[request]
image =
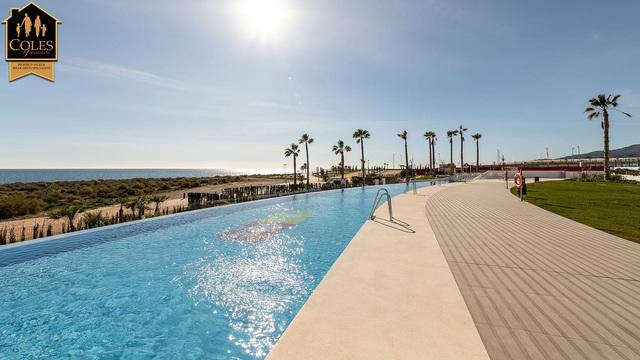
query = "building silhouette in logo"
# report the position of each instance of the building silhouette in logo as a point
(32, 34)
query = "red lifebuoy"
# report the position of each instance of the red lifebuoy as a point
(517, 179)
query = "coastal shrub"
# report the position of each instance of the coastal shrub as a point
(19, 205)
(86, 191)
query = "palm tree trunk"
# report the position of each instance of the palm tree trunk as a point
(607, 171)
(306, 146)
(433, 151)
(295, 180)
(477, 154)
(362, 148)
(451, 142)
(461, 153)
(430, 162)
(342, 165)
(406, 156)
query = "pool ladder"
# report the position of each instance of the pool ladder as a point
(377, 201)
(413, 180)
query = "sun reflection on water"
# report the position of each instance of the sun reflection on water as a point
(250, 287)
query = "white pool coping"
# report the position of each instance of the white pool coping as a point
(390, 295)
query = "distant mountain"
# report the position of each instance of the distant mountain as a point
(629, 151)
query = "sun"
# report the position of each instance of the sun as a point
(264, 19)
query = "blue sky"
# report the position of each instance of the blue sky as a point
(219, 84)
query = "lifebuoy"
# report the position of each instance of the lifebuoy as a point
(517, 179)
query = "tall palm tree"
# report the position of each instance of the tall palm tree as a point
(360, 135)
(293, 151)
(306, 139)
(461, 132)
(450, 135)
(69, 213)
(430, 136)
(598, 105)
(403, 136)
(433, 150)
(339, 149)
(477, 137)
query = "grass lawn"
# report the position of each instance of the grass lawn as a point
(610, 207)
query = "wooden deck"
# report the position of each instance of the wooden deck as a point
(537, 285)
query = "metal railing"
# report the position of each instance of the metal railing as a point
(413, 180)
(377, 201)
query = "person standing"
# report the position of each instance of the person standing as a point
(18, 29)
(37, 25)
(26, 22)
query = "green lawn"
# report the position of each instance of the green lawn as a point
(610, 207)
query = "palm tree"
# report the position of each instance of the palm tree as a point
(69, 213)
(403, 136)
(433, 150)
(477, 137)
(93, 220)
(122, 201)
(293, 151)
(430, 136)
(360, 135)
(339, 149)
(141, 205)
(450, 135)
(602, 104)
(461, 132)
(158, 199)
(133, 205)
(306, 139)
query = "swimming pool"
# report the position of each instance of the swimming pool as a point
(219, 283)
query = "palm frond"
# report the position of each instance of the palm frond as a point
(594, 115)
(588, 110)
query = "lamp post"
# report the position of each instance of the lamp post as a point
(393, 166)
(284, 170)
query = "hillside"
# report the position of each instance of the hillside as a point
(629, 151)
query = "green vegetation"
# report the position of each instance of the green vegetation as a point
(607, 206)
(19, 199)
(624, 171)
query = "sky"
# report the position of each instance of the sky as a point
(231, 84)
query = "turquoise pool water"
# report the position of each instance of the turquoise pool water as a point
(195, 285)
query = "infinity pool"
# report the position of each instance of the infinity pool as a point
(219, 283)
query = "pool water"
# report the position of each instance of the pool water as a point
(173, 287)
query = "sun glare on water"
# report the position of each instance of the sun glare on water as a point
(264, 19)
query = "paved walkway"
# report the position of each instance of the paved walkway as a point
(468, 271)
(538, 286)
(390, 295)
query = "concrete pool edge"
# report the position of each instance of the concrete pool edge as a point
(390, 295)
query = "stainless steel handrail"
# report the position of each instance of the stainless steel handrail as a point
(413, 180)
(377, 201)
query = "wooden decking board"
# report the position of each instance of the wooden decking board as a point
(559, 289)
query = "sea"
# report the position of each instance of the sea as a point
(8, 176)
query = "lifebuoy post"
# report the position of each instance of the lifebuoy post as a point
(518, 180)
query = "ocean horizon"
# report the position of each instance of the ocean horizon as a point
(8, 176)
